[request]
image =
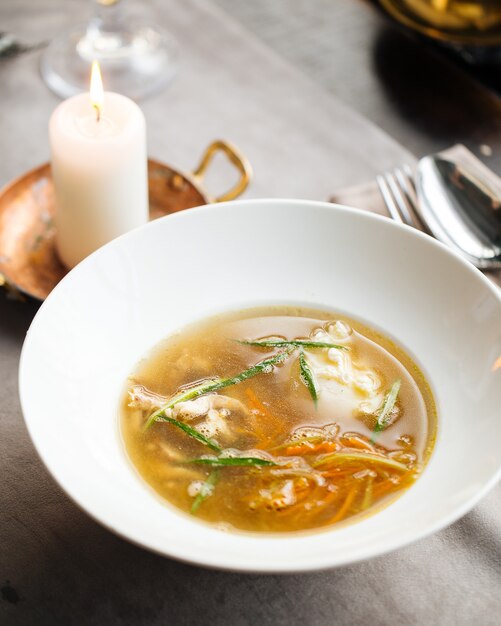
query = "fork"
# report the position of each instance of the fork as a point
(398, 189)
(399, 195)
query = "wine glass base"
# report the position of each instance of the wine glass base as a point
(136, 64)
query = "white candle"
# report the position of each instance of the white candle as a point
(99, 168)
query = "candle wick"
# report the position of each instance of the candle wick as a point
(98, 112)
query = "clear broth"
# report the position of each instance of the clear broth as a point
(330, 466)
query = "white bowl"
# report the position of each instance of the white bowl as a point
(117, 304)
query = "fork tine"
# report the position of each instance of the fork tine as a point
(405, 177)
(388, 199)
(407, 186)
(400, 195)
(409, 174)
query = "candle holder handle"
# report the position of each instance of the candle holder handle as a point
(236, 158)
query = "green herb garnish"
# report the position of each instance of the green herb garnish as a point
(388, 404)
(307, 377)
(293, 343)
(206, 490)
(192, 432)
(233, 461)
(216, 384)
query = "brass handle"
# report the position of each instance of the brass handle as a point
(236, 158)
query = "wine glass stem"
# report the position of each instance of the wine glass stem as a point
(108, 15)
(106, 34)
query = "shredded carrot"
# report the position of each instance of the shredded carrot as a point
(366, 502)
(384, 487)
(298, 450)
(301, 498)
(303, 493)
(256, 403)
(353, 442)
(345, 507)
(306, 448)
(330, 497)
(387, 486)
(335, 473)
(324, 446)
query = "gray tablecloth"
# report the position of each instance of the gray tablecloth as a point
(59, 567)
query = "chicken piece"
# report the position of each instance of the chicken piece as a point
(216, 410)
(277, 497)
(213, 408)
(142, 398)
(204, 404)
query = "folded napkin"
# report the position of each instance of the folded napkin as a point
(368, 197)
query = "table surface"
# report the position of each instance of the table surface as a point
(399, 81)
(59, 567)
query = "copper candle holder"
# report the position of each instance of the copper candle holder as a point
(28, 260)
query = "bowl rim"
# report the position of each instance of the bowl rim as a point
(263, 567)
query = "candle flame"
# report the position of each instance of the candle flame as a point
(497, 364)
(96, 89)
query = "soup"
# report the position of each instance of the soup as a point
(278, 419)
